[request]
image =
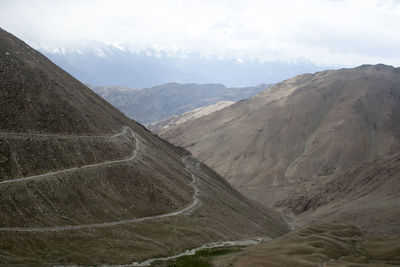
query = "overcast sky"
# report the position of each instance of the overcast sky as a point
(326, 32)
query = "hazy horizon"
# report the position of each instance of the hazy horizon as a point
(147, 43)
(324, 32)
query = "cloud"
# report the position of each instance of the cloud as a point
(346, 32)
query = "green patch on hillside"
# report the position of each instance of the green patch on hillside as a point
(202, 258)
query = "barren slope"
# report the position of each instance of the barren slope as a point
(310, 126)
(82, 183)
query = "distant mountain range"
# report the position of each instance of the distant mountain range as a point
(103, 64)
(153, 104)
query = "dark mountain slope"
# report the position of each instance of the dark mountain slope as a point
(82, 183)
(39, 96)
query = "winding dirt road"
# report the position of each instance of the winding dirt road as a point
(190, 206)
(24, 135)
(49, 174)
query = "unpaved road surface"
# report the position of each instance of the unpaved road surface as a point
(50, 174)
(190, 206)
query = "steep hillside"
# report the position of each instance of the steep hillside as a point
(160, 126)
(303, 129)
(156, 103)
(82, 183)
(37, 96)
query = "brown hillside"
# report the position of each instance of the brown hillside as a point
(311, 125)
(307, 136)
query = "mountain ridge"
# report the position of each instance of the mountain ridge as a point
(153, 104)
(101, 64)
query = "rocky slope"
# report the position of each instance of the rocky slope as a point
(82, 183)
(166, 124)
(304, 130)
(153, 104)
(367, 196)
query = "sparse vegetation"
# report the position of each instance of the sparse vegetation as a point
(202, 258)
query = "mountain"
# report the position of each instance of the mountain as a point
(83, 184)
(160, 126)
(150, 105)
(106, 64)
(306, 130)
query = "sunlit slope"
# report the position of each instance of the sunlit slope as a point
(306, 127)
